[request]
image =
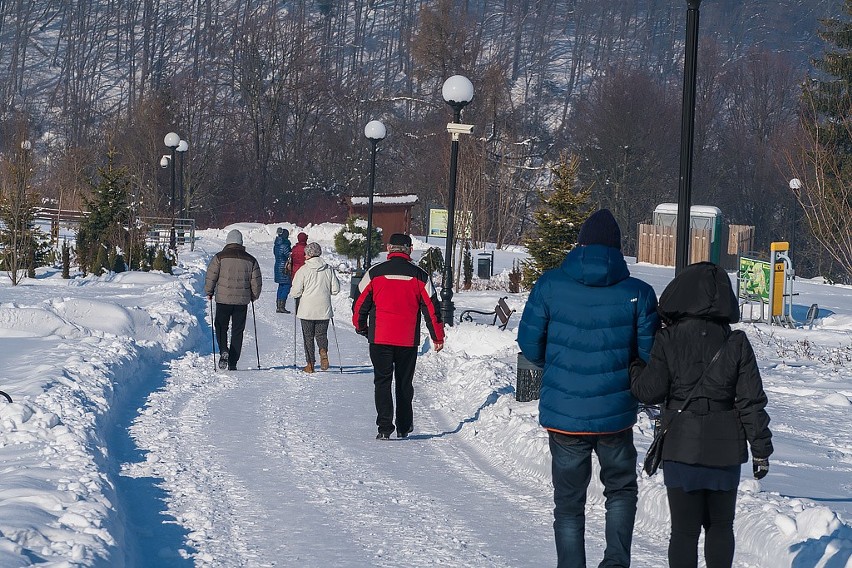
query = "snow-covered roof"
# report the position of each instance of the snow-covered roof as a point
(385, 199)
(694, 211)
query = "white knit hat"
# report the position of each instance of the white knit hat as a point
(234, 238)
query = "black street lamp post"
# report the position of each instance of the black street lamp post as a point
(375, 132)
(457, 92)
(172, 140)
(182, 147)
(687, 135)
(795, 187)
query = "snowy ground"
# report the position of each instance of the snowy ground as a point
(125, 447)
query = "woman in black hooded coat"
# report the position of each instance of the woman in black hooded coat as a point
(706, 442)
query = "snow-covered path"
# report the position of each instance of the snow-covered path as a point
(297, 478)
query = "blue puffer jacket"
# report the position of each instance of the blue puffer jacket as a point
(584, 322)
(281, 248)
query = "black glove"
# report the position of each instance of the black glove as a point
(760, 467)
(636, 367)
(362, 332)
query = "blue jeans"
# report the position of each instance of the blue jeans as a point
(572, 472)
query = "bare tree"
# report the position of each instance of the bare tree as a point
(17, 206)
(826, 192)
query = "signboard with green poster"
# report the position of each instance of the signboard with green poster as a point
(755, 277)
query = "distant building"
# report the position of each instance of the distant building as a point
(391, 213)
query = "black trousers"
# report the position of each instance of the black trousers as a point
(713, 510)
(235, 316)
(390, 360)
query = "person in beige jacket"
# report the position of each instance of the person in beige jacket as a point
(313, 286)
(233, 276)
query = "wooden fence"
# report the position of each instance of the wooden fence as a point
(740, 240)
(657, 245)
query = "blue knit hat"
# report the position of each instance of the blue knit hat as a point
(600, 228)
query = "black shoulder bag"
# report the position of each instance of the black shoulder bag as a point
(654, 457)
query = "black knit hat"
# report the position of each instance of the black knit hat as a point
(600, 228)
(400, 240)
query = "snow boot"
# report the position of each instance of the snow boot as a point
(382, 436)
(223, 359)
(309, 368)
(279, 307)
(324, 359)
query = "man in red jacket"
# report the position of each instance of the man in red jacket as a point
(394, 296)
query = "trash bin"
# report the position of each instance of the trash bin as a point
(483, 267)
(528, 384)
(354, 292)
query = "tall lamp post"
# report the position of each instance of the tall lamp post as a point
(457, 92)
(687, 135)
(172, 141)
(795, 187)
(375, 132)
(23, 247)
(181, 149)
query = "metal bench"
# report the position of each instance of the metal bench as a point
(501, 311)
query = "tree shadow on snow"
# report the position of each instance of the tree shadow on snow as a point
(812, 551)
(492, 398)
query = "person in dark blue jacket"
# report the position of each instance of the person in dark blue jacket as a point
(584, 323)
(282, 249)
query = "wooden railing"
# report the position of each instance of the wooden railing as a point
(157, 229)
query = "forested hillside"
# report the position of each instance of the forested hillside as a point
(273, 98)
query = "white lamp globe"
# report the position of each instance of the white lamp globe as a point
(171, 140)
(375, 130)
(164, 162)
(457, 90)
(795, 184)
(26, 145)
(183, 146)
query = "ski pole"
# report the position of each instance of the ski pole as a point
(254, 321)
(212, 333)
(295, 322)
(339, 358)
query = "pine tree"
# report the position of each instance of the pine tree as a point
(829, 95)
(351, 241)
(557, 220)
(104, 227)
(66, 260)
(825, 165)
(432, 261)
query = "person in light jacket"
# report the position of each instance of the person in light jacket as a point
(708, 440)
(233, 276)
(314, 285)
